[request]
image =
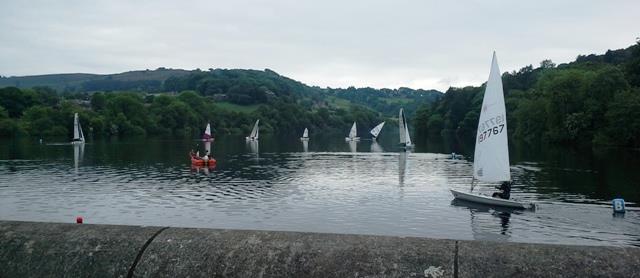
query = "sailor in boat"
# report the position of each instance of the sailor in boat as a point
(505, 190)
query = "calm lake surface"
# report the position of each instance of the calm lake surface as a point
(327, 186)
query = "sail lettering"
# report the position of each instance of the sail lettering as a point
(492, 126)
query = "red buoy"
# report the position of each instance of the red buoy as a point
(79, 219)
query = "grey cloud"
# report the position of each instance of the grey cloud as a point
(428, 44)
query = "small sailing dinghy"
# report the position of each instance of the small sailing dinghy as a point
(353, 134)
(491, 158)
(305, 135)
(376, 130)
(254, 132)
(78, 136)
(207, 134)
(405, 139)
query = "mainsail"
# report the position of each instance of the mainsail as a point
(376, 130)
(207, 132)
(491, 158)
(405, 139)
(255, 132)
(305, 134)
(78, 136)
(354, 131)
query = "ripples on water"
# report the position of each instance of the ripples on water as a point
(336, 192)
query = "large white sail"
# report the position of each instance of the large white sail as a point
(354, 131)
(376, 130)
(255, 132)
(77, 129)
(405, 139)
(491, 158)
(305, 134)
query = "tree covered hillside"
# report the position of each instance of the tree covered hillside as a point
(595, 99)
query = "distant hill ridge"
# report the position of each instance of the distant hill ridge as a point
(76, 82)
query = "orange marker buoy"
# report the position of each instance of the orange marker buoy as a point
(79, 219)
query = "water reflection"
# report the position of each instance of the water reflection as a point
(402, 166)
(305, 145)
(375, 147)
(254, 148)
(78, 155)
(478, 213)
(353, 145)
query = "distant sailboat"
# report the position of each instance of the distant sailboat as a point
(405, 139)
(305, 135)
(78, 136)
(376, 130)
(207, 133)
(491, 158)
(254, 132)
(353, 134)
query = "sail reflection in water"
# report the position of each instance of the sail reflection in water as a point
(402, 166)
(375, 147)
(78, 154)
(353, 146)
(305, 145)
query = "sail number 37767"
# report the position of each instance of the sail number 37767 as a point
(492, 126)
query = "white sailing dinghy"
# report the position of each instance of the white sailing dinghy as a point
(491, 158)
(78, 136)
(376, 130)
(254, 132)
(353, 134)
(207, 134)
(405, 139)
(305, 135)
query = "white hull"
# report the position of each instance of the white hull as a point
(251, 139)
(77, 142)
(352, 139)
(304, 139)
(487, 200)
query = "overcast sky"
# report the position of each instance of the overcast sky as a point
(418, 44)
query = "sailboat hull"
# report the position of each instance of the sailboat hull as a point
(304, 138)
(352, 139)
(487, 200)
(77, 142)
(251, 139)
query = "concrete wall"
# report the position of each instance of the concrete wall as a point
(29, 249)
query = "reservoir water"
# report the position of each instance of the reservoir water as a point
(327, 186)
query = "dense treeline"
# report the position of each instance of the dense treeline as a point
(595, 99)
(246, 87)
(42, 112)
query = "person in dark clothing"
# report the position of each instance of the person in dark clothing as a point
(505, 189)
